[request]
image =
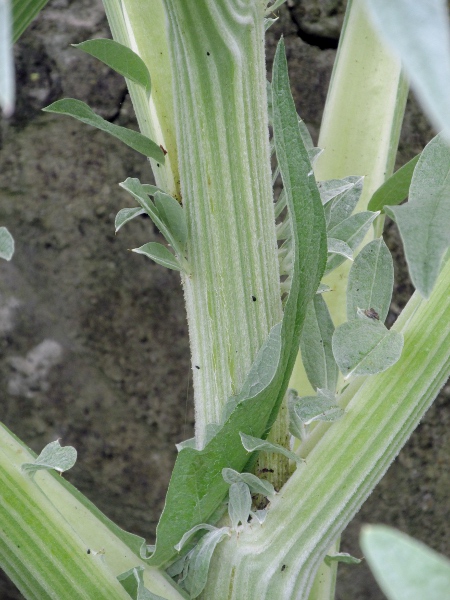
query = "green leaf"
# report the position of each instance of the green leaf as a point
(6, 244)
(82, 112)
(133, 582)
(395, 189)
(23, 12)
(173, 215)
(256, 485)
(252, 444)
(364, 346)
(315, 345)
(419, 32)
(404, 568)
(371, 280)
(424, 221)
(197, 488)
(342, 557)
(339, 247)
(53, 456)
(126, 214)
(159, 254)
(120, 58)
(308, 409)
(239, 504)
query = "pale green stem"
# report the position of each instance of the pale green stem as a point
(341, 470)
(233, 293)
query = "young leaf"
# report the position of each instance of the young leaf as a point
(405, 568)
(395, 189)
(53, 456)
(252, 444)
(344, 204)
(6, 244)
(331, 188)
(315, 345)
(239, 504)
(424, 221)
(191, 532)
(364, 347)
(82, 112)
(173, 215)
(133, 582)
(126, 214)
(342, 557)
(159, 254)
(256, 485)
(308, 409)
(371, 280)
(120, 58)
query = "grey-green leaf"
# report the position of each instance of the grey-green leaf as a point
(126, 214)
(252, 444)
(332, 188)
(133, 582)
(160, 254)
(308, 409)
(342, 557)
(239, 503)
(404, 568)
(191, 532)
(82, 112)
(6, 244)
(120, 58)
(339, 247)
(344, 204)
(395, 189)
(315, 345)
(419, 32)
(53, 456)
(424, 221)
(173, 215)
(256, 485)
(364, 346)
(200, 559)
(371, 280)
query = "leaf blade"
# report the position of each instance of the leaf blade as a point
(395, 189)
(160, 254)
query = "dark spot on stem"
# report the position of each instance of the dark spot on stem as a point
(254, 298)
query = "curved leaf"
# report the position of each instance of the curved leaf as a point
(6, 244)
(160, 254)
(395, 189)
(126, 214)
(53, 456)
(23, 13)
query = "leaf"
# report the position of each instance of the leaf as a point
(252, 444)
(133, 582)
(23, 13)
(173, 215)
(371, 280)
(404, 568)
(363, 346)
(344, 204)
(342, 557)
(352, 231)
(315, 346)
(308, 409)
(6, 244)
(331, 188)
(239, 504)
(196, 487)
(313, 152)
(120, 58)
(276, 4)
(256, 485)
(159, 254)
(53, 456)
(126, 214)
(395, 189)
(419, 33)
(191, 532)
(424, 221)
(82, 112)
(339, 247)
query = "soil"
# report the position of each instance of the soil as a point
(93, 339)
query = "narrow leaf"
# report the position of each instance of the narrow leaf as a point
(395, 189)
(159, 254)
(173, 215)
(191, 532)
(23, 13)
(120, 58)
(252, 444)
(371, 280)
(315, 345)
(256, 485)
(424, 221)
(82, 112)
(405, 568)
(7, 81)
(6, 244)
(419, 32)
(126, 214)
(342, 557)
(239, 504)
(364, 347)
(53, 456)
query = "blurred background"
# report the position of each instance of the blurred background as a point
(93, 338)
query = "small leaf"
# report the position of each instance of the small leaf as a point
(120, 58)
(424, 221)
(159, 254)
(6, 244)
(191, 532)
(315, 345)
(252, 444)
(256, 485)
(395, 189)
(364, 346)
(53, 456)
(126, 214)
(81, 111)
(331, 188)
(200, 559)
(342, 557)
(239, 504)
(173, 215)
(133, 582)
(405, 568)
(339, 247)
(308, 409)
(274, 6)
(371, 280)
(344, 204)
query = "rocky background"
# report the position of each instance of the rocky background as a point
(93, 339)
